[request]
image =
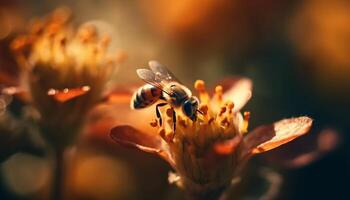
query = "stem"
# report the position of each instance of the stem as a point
(58, 175)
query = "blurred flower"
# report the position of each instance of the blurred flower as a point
(206, 25)
(66, 71)
(209, 153)
(320, 31)
(115, 179)
(25, 174)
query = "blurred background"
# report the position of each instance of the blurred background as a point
(296, 52)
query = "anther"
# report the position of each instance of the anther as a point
(218, 93)
(225, 122)
(170, 112)
(204, 109)
(199, 85)
(222, 110)
(246, 116)
(210, 120)
(87, 33)
(230, 106)
(218, 90)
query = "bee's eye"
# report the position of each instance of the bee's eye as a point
(188, 108)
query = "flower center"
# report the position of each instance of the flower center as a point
(216, 120)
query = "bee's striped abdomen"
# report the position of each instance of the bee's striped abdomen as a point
(145, 96)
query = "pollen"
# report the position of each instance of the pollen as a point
(225, 122)
(54, 42)
(216, 119)
(204, 109)
(154, 123)
(222, 111)
(170, 112)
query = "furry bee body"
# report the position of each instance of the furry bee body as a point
(145, 96)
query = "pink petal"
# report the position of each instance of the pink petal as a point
(130, 137)
(238, 90)
(285, 131)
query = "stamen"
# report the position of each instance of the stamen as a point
(204, 108)
(199, 85)
(87, 33)
(105, 41)
(246, 116)
(225, 122)
(218, 93)
(222, 110)
(211, 120)
(230, 106)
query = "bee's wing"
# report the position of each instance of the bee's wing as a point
(161, 72)
(150, 77)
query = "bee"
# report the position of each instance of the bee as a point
(163, 86)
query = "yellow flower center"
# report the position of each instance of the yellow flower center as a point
(216, 120)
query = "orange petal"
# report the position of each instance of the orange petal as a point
(130, 137)
(238, 90)
(17, 92)
(255, 138)
(285, 130)
(227, 147)
(68, 93)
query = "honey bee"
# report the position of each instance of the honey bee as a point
(163, 86)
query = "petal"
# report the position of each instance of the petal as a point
(130, 137)
(227, 147)
(68, 93)
(285, 131)
(115, 110)
(238, 90)
(255, 138)
(16, 92)
(306, 151)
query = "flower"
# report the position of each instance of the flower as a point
(66, 71)
(209, 153)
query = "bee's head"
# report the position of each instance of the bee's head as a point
(190, 107)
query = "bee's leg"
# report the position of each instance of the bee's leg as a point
(174, 120)
(158, 112)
